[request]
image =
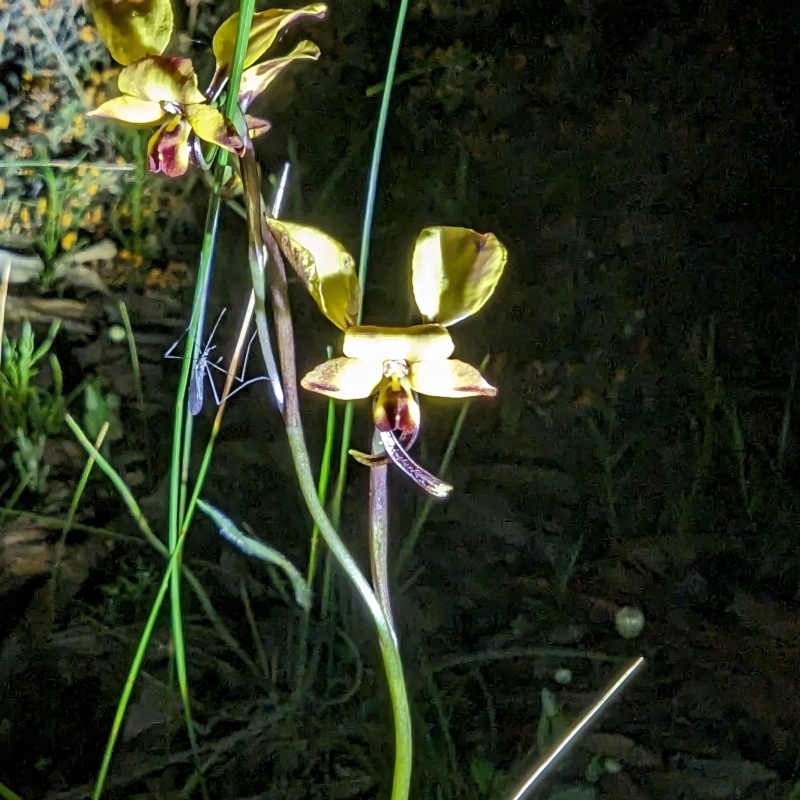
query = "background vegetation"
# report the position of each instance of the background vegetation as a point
(640, 162)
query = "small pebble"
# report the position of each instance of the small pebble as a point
(117, 334)
(629, 622)
(562, 676)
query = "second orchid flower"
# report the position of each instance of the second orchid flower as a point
(158, 90)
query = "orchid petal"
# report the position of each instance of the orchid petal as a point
(133, 30)
(448, 378)
(369, 460)
(162, 80)
(397, 410)
(264, 30)
(256, 79)
(414, 343)
(209, 124)
(344, 378)
(131, 110)
(256, 126)
(454, 272)
(168, 150)
(326, 269)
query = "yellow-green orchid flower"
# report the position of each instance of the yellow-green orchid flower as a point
(163, 91)
(454, 272)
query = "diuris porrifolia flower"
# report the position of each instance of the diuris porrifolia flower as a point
(454, 272)
(164, 91)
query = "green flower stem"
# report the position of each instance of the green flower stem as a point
(134, 354)
(232, 369)
(323, 482)
(344, 458)
(137, 192)
(73, 505)
(246, 10)
(65, 164)
(294, 431)
(313, 556)
(379, 536)
(54, 201)
(180, 465)
(153, 540)
(257, 257)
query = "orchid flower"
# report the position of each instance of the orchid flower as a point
(454, 272)
(163, 91)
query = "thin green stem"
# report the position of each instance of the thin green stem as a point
(380, 133)
(323, 482)
(234, 365)
(181, 454)
(256, 226)
(53, 213)
(313, 556)
(136, 664)
(181, 451)
(65, 164)
(174, 564)
(246, 10)
(73, 506)
(7, 794)
(344, 457)
(134, 354)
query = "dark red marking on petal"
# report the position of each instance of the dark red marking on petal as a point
(316, 386)
(395, 411)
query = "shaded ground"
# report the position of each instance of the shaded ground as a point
(641, 168)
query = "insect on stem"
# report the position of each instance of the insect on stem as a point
(202, 371)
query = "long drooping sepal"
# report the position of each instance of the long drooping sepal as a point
(424, 479)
